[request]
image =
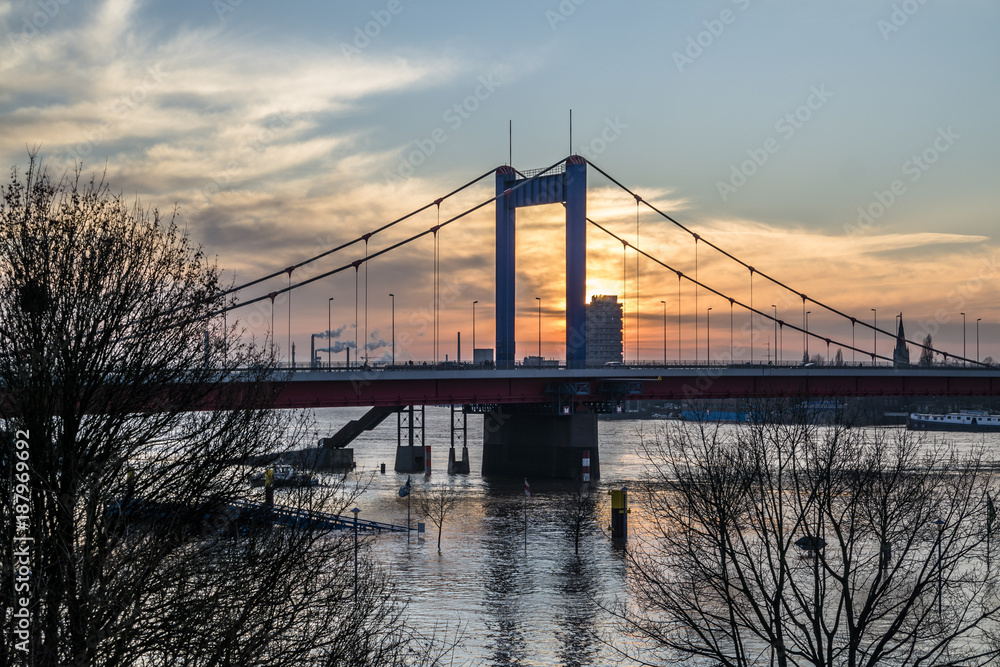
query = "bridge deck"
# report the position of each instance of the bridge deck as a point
(423, 386)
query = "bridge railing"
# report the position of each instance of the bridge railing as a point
(555, 364)
(296, 517)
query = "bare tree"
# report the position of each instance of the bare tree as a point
(436, 504)
(792, 544)
(121, 484)
(926, 352)
(576, 511)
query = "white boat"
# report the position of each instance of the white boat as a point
(967, 420)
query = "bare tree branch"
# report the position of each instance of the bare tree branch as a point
(790, 544)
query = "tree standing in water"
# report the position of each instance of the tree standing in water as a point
(787, 543)
(436, 504)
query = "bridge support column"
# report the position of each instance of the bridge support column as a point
(576, 262)
(569, 187)
(410, 452)
(540, 446)
(459, 425)
(506, 178)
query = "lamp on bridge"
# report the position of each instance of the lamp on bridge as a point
(977, 338)
(964, 355)
(874, 336)
(539, 300)
(329, 334)
(777, 359)
(664, 332)
(474, 330)
(806, 353)
(708, 336)
(732, 354)
(393, 298)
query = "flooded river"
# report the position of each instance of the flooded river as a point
(516, 596)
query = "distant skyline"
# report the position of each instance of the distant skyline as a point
(848, 149)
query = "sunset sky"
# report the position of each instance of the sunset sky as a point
(848, 149)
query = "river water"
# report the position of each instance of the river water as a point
(507, 579)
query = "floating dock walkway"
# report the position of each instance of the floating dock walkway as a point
(303, 518)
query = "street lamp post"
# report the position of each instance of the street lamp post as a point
(732, 356)
(393, 298)
(964, 356)
(474, 331)
(329, 334)
(664, 332)
(355, 511)
(940, 528)
(777, 360)
(708, 336)
(874, 336)
(978, 319)
(806, 360)
(539, 300)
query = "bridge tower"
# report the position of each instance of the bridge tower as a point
(543, 440)
(567, 186)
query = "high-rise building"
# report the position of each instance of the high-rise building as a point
(604, 330)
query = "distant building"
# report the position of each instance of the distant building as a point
(901, 355)
(539, 362)
(604, 330)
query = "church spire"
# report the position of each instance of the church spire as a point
(900, 355)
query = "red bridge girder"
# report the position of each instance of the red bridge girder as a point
(391, 388)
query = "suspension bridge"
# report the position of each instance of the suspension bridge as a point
(540, 417)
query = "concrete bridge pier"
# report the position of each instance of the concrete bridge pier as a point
(459, 428)
(410, 452)
(458, 466)
(540, 445)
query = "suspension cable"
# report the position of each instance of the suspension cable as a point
(741, 304)
(363, 237)
(637, 280)
(777, 282)
(358, 262)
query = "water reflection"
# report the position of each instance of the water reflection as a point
(540, 609)
(576, 628)
(507, 579)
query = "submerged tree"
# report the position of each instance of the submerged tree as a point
(576, 511)
(782, 544)
(436, 504)
(119, 480)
